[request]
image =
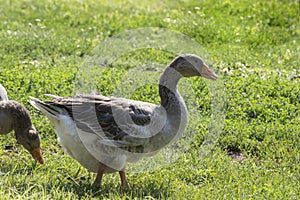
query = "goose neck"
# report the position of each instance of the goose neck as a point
(170, 78)
(21, 117)
(168, 87)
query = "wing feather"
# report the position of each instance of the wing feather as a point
(118, 122)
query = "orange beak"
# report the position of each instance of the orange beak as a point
(37, 155)
(208, 73)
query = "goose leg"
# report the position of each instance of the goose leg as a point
(123, 177)
(99, 176)
(124, 182)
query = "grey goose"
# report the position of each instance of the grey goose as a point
(15, 117)
(105, 133)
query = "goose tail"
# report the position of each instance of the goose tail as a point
(46, 108)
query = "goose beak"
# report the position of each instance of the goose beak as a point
(37, 155)
(208, 73)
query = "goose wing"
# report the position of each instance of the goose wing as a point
(116, 122)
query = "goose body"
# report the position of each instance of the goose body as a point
(105, 133)
(15, 117)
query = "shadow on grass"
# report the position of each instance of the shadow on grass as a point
(109, 190)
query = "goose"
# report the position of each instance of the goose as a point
(105, 133)
(14, 116)
(3, 94)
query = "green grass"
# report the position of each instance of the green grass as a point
(255, 46)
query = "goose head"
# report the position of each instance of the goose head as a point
(30, 140)
(189, 65)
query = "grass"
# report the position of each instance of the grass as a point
(255, 46)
